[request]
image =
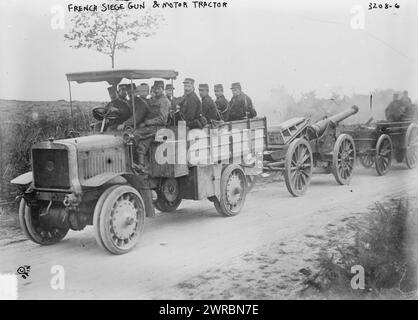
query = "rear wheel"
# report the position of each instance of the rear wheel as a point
(411, 139)
(343, 159)
(298, 167)
(168, 195)
(384, 152)
(121, 220)
(30, 218)
(366, 160)
(233, 191)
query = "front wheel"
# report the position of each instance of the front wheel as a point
(343, 159)
(233, 191)
(298, 167)
(119, 219)
(30, 219)
(384, 152)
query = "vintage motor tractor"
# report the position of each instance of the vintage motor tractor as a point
(298, 149)
(90, 180)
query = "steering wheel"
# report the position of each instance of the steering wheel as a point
(108, 112)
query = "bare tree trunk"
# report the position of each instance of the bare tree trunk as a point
(112, 57)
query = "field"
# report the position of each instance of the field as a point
(22, 123)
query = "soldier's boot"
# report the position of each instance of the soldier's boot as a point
(140, 166)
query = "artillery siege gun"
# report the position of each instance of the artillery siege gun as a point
(298, 149)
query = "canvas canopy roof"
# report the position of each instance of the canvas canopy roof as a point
(115, 76)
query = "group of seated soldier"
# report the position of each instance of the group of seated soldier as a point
(400, 108)
(149, 110)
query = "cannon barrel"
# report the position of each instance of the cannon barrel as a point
(321, 125)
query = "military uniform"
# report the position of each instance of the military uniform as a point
(221, 103)
(223, 107)
(209, 110)
(190, 109)
(395, 111)
(141, 109)
(241, 106)
(155, 119)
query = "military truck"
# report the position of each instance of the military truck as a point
(91, 180)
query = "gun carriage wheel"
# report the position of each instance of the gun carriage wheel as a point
(119, 219)
(367, 160)
(233, 191)
(168, 195)
(343, 159)
(384, 152)
(411, 152)
(298, 167)
(34, 222)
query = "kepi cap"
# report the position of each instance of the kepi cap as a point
(189, 80)
(236, 85)
(204, 86)
(218, 87)
(159, 83)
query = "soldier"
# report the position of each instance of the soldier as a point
(120, 103)
(190, 106)
(169, 93)
(143, 91)
(405, 99)
(123, 91)
(155, 118)
(396, 109)
(221, 103)
(241, 106)
(209, 110)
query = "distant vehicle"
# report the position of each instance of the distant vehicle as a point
(379, 142)
(91, 180)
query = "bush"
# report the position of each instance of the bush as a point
(29, 125)
(382, 247)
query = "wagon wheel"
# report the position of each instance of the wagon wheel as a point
(233, 191)
(120, 220)
(411, 153)
(367, 160)
(384, 151)
(35, 229)
(168, 194)
(343, 159)
(298, 167)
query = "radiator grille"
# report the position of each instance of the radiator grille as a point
(101, 161)
(50, 168)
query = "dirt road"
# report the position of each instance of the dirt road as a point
(178, 246)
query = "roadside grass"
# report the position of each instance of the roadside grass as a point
(385, 245)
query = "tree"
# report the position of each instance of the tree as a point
(107, 32)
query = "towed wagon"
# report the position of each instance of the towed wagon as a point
(91, 180)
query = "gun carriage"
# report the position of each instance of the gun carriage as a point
(298, 149)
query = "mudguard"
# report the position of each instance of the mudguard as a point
(101, 179)
(23, 179)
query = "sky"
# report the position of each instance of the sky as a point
(303, 45)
